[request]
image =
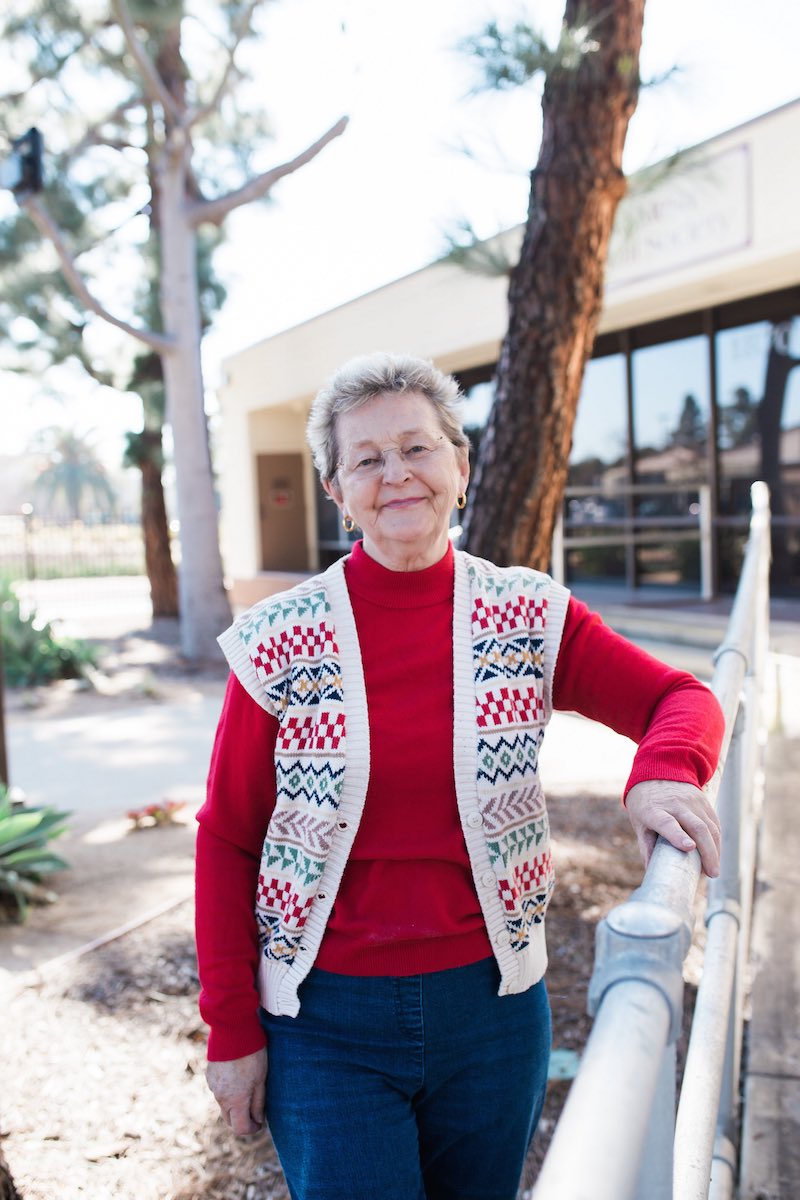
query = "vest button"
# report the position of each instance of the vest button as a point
(488, 879)
(503, 938)
(475, 819)
(322, 896)
(341, 824)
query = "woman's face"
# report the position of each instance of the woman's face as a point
(398, 479)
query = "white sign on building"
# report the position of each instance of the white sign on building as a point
(699, 209)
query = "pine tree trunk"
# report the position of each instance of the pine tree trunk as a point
(203, 602)
(155, 529)
(555, 295)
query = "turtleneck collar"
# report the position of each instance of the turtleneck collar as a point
(399, 589)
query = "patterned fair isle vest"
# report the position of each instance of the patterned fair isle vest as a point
(297, 654)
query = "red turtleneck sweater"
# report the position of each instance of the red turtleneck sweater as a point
(407, 903)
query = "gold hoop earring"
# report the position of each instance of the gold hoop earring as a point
(461, 500)
(348, 524)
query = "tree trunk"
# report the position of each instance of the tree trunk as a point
(555, 295)
(203, 602)
(155, 529)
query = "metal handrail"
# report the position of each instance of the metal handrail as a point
(617, 1138)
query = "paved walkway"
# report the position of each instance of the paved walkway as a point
(100, 757)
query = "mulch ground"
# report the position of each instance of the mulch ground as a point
(103, 1091)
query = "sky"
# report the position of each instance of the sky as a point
(378, 201)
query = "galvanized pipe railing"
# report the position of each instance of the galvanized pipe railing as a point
(617, 1134)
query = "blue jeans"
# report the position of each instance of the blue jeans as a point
(424, 1087)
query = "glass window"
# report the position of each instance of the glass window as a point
(600, 434)
(598, 460)
(671, 404)
(758, 390)
(670, 412)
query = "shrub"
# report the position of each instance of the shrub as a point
(32, 652)
(24, 857)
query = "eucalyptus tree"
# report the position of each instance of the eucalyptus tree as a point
(591, 85)
(167, 152)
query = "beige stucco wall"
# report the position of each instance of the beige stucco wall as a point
(720, 225)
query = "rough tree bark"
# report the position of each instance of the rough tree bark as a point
(555, 294)
(160, 568)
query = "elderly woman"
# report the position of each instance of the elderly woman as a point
(373, 858)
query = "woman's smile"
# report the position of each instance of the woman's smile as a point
(404, 502)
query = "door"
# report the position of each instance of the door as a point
(283, 512)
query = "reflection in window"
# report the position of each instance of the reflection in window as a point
(598, 460)
(670, 412)
(759, 438)
(600, 438)
(671, 404)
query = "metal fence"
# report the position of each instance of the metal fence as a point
(621, 1135)
(33, 547)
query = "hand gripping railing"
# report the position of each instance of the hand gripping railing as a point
(618, 1137)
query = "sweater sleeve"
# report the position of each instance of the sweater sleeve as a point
(674, 718)
(232, 823)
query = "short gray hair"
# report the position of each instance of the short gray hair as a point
(362, 379)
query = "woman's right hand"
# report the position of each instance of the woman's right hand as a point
(238, 1087)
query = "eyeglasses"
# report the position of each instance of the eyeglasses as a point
(369, 464)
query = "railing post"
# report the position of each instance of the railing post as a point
(725, 891)
(645, 941)
(706, 542)
(655, 1172)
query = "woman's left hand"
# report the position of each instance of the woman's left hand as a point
(678, 812)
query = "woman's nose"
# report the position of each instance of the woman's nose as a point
(395, 467)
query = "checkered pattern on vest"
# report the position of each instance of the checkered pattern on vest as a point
(297, 654)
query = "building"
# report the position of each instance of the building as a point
(691, 393)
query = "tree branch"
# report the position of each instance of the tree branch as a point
(195, 115)
(48, 229)
(93, 135)
(214, 211)
(154, 84)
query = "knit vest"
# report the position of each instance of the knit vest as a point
(297, 654)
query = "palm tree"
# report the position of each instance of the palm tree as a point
(73, 473)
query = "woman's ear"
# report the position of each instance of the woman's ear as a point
(330, 488)
(463, 467)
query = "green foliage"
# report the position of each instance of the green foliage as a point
(32, 652)
(24, 857)
(490, 257)
(509, 58)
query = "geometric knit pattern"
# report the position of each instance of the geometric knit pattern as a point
(508, 623)
(291, 645)
(294, 653)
